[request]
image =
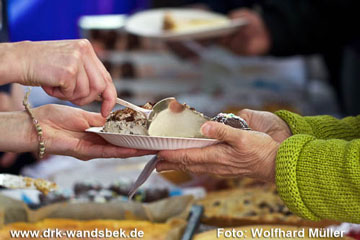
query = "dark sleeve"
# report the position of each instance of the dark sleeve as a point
(310, 26)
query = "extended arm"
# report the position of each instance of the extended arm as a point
(10, 67)
(63, 131)
(17, 133)
(68, 70)
(320, 179)
(322, 127)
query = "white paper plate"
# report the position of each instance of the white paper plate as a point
(150, 24)
(151, 143)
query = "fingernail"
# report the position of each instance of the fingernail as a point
(176, 107)
(205, 129)
(159, 168)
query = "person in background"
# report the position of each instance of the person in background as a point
(300, 27)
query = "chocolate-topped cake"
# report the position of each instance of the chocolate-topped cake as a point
(127, 121)
(232, 120)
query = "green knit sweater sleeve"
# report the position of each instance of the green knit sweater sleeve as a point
(320, 179)
(322, 127)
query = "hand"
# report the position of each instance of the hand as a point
(268, 123)
(251, 39)
(240, 153)
(63, 132)
(68, 70)
(6, 104)
(12, 101)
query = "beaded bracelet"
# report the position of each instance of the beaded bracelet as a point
(36, 124)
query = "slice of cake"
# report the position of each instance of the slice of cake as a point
(127, 121)
(171, 23)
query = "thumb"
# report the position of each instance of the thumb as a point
(221, 132)
(246, 115)
(176, 107)
(94, 119)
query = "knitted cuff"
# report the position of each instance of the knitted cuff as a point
(286, 182)
(297, 123)
(328, 127)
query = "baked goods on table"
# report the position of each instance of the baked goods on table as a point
(271, 232)
(167, 217)
(11, 181)
(152, 231)
(91, 192)
(257, 205)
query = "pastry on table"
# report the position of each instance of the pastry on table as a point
(152, 231)
(92, 192)
(258, 205)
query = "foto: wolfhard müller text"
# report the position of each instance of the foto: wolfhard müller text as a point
(300, 233)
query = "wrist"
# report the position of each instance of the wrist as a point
(271, 163)
(18, 133)
(13, 64)
(286, 132)
(29, 135)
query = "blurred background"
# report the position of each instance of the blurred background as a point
(310, 69)
(146, 70)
